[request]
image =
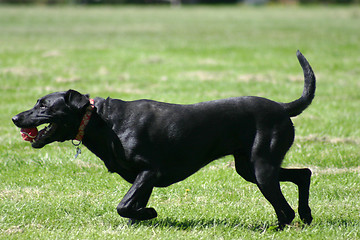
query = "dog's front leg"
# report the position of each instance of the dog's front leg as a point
(133, 205)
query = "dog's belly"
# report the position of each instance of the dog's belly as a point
(176, 169)
(174, 175)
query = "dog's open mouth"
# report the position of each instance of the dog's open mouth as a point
(41, 138)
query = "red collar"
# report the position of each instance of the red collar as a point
(85, 120)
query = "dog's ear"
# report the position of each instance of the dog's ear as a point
(76, 100)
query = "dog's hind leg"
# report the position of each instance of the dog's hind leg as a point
(301, 177)
(133, 205)
(266, 157)
(267, 179)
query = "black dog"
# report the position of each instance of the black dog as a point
(155, 144)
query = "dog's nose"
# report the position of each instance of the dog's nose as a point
(15, 119)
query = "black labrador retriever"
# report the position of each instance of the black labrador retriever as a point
(155, 144)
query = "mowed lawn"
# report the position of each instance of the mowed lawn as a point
(179, 55)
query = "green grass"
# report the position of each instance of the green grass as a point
(181, 55)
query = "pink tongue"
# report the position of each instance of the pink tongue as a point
(28, 134)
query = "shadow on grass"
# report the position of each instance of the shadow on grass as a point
(190, 224)
(258, 226)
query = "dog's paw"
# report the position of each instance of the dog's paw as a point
(137, 214)
(132, 222)
(146, 213)
(285, 218)
(305, 215)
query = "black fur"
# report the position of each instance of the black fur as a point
(155, 144)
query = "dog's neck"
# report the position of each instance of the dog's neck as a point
(99, 136)
(85, 120)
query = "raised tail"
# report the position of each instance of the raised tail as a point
(296, 107)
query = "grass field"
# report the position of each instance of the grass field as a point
(181, 55)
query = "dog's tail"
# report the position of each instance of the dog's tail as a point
(296, 107)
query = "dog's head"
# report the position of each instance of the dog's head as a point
(63, 112)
